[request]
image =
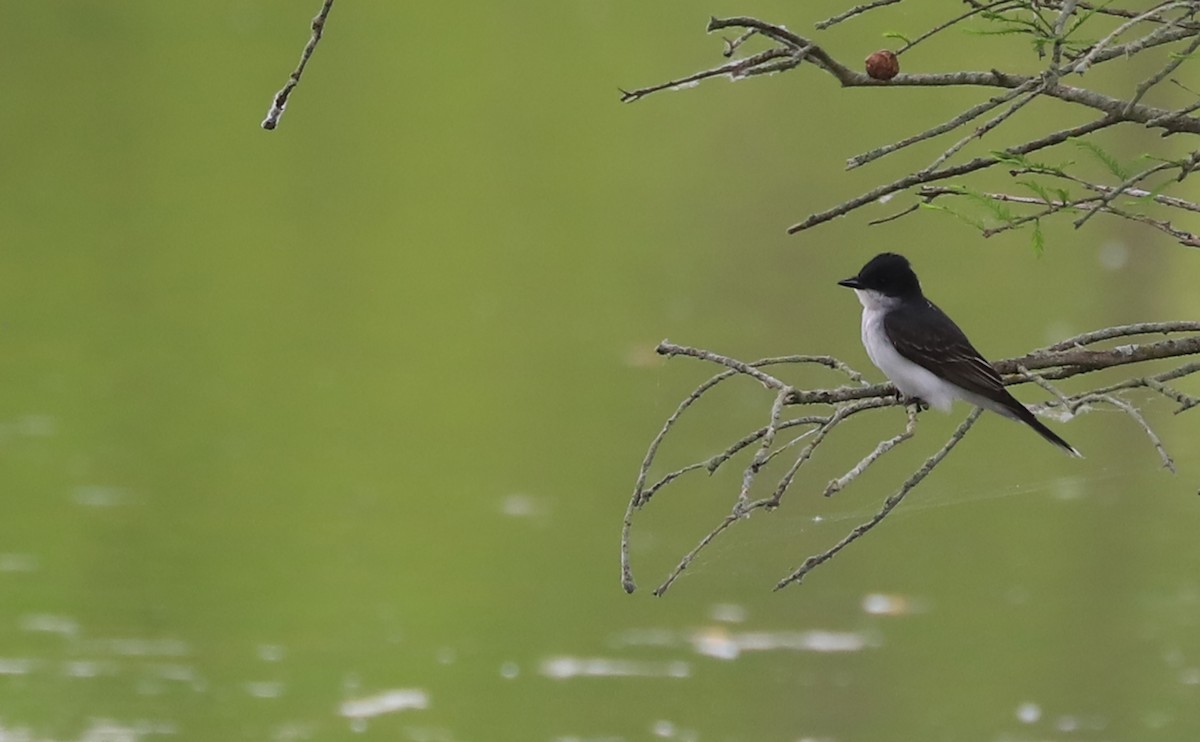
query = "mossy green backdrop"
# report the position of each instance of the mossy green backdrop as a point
(299, 418)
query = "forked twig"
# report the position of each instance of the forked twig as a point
(838, 484)
(889, 504)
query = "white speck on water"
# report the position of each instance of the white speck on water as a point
(107, 730)
(723, 645)
(265, 688)
(50, 624)
(399, 699)
(519, 506)
(1113, 255)
(88, 669)
(1018, 595)
(510, 670)
(1029, 712)
(1157, 719)
(1190, 676)
(271, 652)
(96, 496)
(1067, 724)
(18, 563)
(1068, 488)
(716, 643)
(728, 613)
(563, 668)
(663, 728)
(141, 647)
(645, 638)
(16, 666)
(885, 604)
(177, 673)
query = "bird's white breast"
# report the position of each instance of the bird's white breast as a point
(910, 378)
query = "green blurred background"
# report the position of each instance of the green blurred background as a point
(326, 433)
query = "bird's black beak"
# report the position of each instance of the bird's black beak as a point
(850, 283)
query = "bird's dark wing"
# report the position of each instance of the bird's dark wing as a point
(923, 334)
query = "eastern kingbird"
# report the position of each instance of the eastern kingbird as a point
(924, 354)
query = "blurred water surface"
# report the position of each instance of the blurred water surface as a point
(326, 433)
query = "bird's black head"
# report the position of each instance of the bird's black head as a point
(889, 274)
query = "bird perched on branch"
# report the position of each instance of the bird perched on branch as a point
(922, 352)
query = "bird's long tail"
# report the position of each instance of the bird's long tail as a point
(1018, 411)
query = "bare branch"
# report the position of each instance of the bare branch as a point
(764, 449)
(962, 118)
(856, 10)
(1068, 358)
(1153, 14)
(979, 163)
(1161, 75)
(1121, 331)
(279, 102)
(1168, 22)
(1128, 409)
(839, 484)
(888, 505)
(994, 6)
(1181, 236)
(737, 68)
(688, 557)
(1171, 201)
(1128, 183)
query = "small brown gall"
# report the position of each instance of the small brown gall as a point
(883, 65)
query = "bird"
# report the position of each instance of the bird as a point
(922, 352)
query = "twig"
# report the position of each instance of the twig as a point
(1120, 331)
(994, 6)
(856, 10)
(1186, 401)
(806, 453)
(962, 118)
(1171, 201)
(1129, 182)
(1088, 59)
(279, 102)
(1037, 379)
(1161, 75)
(978, 163)
(1068, 8)
(731, 46)
(1097, 204)
(1128, 409)
(688, 557)
(738, 67)
(1037, 85)
(1181, 236)
(888, 505)
(764, 448)
(837, 485)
